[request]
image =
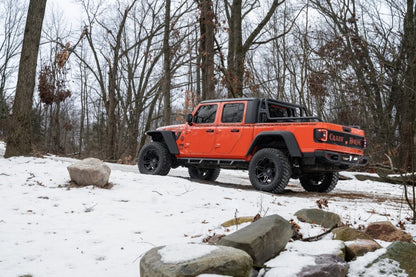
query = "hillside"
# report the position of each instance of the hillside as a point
(48, 228)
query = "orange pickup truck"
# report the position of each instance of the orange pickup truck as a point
(273, 140)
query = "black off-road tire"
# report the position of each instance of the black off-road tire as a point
(269, 170)
(319, 182)
(154, 159)
(207, 174)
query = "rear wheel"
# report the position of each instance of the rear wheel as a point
(154, 159)
(319, 182)
(269, 170)
(208, 174)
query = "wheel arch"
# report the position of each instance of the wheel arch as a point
(167, 137)
(285, 138)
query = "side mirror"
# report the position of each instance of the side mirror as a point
(188, 119)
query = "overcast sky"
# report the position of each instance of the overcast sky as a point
(71, 9)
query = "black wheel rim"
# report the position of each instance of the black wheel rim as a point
(151, 160)
(317, 180)
(265, 171)
(202, 172)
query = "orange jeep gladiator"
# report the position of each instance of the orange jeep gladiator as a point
(273, 140)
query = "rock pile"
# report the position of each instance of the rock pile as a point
(257, 250)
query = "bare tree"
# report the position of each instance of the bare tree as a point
(237, 48)
(53, 90)
(12, 17)
(19, 139)
(112, 62)
(357, 75)
(146, 53)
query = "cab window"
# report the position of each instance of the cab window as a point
(232, 113)
(205, 114)
(278, 111)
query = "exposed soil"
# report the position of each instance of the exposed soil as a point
(293, 190)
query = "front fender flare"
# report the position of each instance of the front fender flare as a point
(168, 137)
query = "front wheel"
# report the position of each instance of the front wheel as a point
(319, 182)
(269, 170)
(207, 174)
(154, 159)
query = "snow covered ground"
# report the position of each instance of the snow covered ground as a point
(50, 229)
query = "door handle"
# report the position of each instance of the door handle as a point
(235, 130)
(210, 131)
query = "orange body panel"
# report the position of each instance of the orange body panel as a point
(219, 140)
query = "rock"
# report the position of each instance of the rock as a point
(403, 253)
(318, 258)
(349, 234)
(385, 230)
(360, 247)
(89, 171)
(262, 239)
(195, 259)
(320, 217)
(326, 265)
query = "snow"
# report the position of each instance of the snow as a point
(321, 247)
(302, 253)
(178, 253)
(50, 229)
(384, 267)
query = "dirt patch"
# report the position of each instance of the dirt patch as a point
(293, 190)
(72, 184)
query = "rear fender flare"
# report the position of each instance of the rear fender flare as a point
(288, 138)
(167, 137)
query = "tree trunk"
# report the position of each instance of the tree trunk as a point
(57, 133)
(407, 99)
(19, 140)
(148, 121)
(235, 66)
(166, 83)
(206, 50)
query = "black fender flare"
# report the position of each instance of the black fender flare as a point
(288, 138)
(168, 137)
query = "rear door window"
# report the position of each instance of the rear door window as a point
(232, 113)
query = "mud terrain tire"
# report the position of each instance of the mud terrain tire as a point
(154, 159)
(269, 170)
(207, 174)
(319, 183)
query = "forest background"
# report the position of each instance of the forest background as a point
(122, 67)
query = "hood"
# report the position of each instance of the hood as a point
(177, 127)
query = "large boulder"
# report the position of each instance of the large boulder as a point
(320, 217)
(262, 239)
(400, 254)
(193, 260)
(385, 230)
(89, 171)
(349, 234)
(360, 247)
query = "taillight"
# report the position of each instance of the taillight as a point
(321, 135)
(364, 143)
